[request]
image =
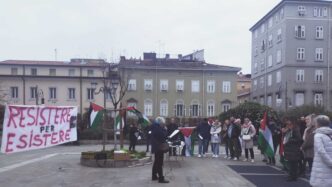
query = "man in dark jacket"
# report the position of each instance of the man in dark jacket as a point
(233, 134)
(158, 136)
(172, 126)
(203, 133)
(292, 143)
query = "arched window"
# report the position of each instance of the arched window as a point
(164, 107)
(195, 108)
(179, 108)
(148, 107)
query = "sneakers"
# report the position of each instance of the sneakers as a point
(235, 159)
(245, 160)
(252, 160)
(226, 156)
(199, 156)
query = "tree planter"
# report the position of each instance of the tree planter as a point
(109, 159)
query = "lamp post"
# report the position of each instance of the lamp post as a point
(108, 88)
(39, 93)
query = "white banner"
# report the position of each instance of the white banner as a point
(27, 127)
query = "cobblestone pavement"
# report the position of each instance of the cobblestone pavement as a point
(59, 166)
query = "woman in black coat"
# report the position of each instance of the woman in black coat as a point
(158, 136)
(133, 135)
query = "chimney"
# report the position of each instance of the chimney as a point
(167, 56)
(179, 56)
(122, 58)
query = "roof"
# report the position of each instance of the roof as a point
(278, 6)
(173, 64)
(73, 62)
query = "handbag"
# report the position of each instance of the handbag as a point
(164, 147)
(246, 137)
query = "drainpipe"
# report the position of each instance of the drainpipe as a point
(328, 61)
(81, 94)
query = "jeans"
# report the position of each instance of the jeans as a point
(215, 148)
(157, 168)
(251, 150)
(202, 146)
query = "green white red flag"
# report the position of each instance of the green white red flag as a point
(265, 137)
(96, 115)
(142, 119)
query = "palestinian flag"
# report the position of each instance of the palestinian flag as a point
(96, 115)
(120, 121)
(265, 137)
(142, 119)
(281, 153)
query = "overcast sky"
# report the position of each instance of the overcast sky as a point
(33, 29)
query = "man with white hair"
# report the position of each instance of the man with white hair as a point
(158, 136)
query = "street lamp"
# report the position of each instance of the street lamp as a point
(39, 94)
(111, 90)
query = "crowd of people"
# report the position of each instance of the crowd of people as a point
(305, 145)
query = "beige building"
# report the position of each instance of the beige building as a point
(243, 87)
(53, 82)
(178, 87)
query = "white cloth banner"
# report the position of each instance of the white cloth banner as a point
(27, 127)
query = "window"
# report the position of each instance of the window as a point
(256, 67)
(278, 77)
(71, 72)
(255, 85)
(226, 86)
(269, 80)
(263, 46)
(179, 85)
(270, 22)
(262, 82)
(210, 109)
(278, 56)
(319, 54)
(300, 75)
(52, 72)
(211, 85)
(279, 37)
(270, 41)
(320, 12)
(300, 54)
(269, 61)
(318, 99)
(318, 76)
(132, 84)
(225, 107)
(194, 86)
(148, 84)
(33, 71)
(14, 71)
(71, 93)
(14, 92)
(179, 108)
(269, 100)
(299, 99)
(319, 32)
(262, 65)
(52, 93)
(301, 10)
(33, 92)
(163, 85)
(195, 109)
(262, 28)
(300, 31)
(90, 72)
(91, 94)
(164, 108)
(148, 107)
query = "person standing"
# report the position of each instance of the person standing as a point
(225, 137)
(158, 136)
(172, 126)
(248, 132)
(275, 129)
(215, 138)
(233, 133)
(307, 146)
(292, 142)
(133, 135)
(203, 134)
(321, 173)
